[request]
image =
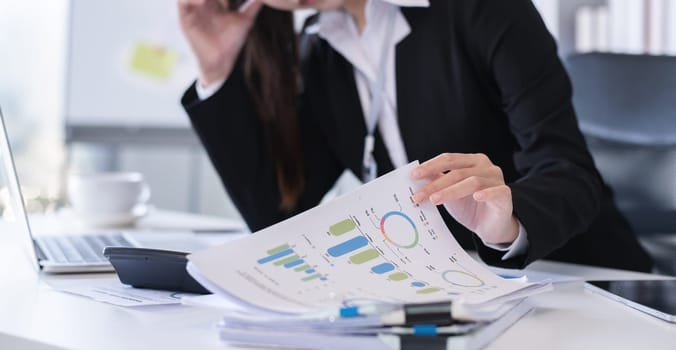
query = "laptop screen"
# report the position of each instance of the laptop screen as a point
(12, 211)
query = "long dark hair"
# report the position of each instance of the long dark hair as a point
(272, 72)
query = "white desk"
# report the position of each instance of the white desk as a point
(34, 316)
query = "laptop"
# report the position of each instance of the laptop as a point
(71, 253)
(64, 253)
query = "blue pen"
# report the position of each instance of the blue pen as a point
(433, 330)
(440, 313)
(367, 310)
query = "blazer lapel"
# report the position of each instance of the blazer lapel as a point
(348, 114)
(346, 110)
(422, 113)
(405, 75)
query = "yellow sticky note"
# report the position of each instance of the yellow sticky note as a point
(153, 60)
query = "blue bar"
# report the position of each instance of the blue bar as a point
(348, 246)
(310, 271)
(323, 278)
(429, 330)
(275, 256)
(350, 311)
(382, 268)
(294, 263)
(418, 284)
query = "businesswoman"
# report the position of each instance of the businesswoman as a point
(474, 88)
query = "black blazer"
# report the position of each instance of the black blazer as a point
(473, 76)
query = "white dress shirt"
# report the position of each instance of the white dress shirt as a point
(363, 51)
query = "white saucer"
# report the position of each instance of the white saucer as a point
(115, 219)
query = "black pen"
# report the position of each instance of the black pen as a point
(439, 313)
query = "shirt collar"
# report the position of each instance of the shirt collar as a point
(328, 20)
(338, 28)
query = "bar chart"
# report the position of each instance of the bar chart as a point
(398, 230)
(342, 227)
(285, 256)
(348, 246)
(352, 245)
(382, 268)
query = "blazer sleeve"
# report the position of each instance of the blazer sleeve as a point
(559, 193)
(232, 134)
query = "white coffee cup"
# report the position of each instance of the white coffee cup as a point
(108, 199)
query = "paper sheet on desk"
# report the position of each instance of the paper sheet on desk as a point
(533, 276)
(115, 293)
(374, 243)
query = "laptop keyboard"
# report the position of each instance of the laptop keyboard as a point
(81, 248)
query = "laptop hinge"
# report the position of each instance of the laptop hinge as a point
(38, 251)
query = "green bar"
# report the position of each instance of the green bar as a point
(428, 290)
(310, 278)
(287, 260)
(302, 268)
(342, 227)
(364, 256)
(398, 276)
(278, 249)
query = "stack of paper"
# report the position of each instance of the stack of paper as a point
(374, 245)
(365, 332)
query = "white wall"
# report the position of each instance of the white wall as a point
(626, 25)
(33, 41)
(618, 26)
(670, 23)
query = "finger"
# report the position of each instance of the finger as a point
(250, 8)
(446, 162)
(493, 194)
(441, 181)
(245, 6)
(453, 177)
(442, 163)
(462, 189)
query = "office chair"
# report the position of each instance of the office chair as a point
(626, 106)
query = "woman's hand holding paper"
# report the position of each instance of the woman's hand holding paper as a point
(473, 191)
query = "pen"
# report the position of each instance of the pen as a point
(366, 310)
(439, 313)
(432, 330)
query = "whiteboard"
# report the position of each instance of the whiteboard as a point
(102, 87)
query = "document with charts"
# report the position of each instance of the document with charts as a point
(373, 244)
